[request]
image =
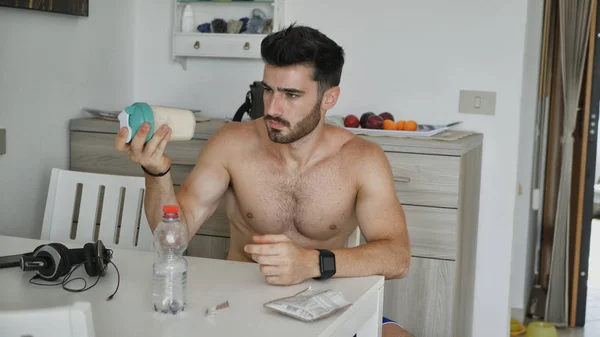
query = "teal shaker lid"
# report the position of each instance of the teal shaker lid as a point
(134, 116)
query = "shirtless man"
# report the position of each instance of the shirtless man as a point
(292, 183)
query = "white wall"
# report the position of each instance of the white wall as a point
(524, 236)
(51, 65)
(411, 59)
(217, 87)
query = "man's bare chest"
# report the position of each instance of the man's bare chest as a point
(317, 204)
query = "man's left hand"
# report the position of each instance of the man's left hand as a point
(282, 261)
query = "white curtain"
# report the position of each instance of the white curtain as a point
(574, 28)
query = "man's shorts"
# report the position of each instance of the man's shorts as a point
(385, 321)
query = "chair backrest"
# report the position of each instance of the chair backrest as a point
(84, 207)
(354, 239)
(65, 321)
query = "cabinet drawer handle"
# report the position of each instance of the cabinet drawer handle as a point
(402, 179)
(246, 45)
(197, 45)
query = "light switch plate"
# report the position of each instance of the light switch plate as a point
(2, 141)
(477, 102)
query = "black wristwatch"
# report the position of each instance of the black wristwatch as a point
(326, 264)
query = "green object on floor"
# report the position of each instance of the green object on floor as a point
(541, 329)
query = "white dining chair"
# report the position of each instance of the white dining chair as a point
(84, 207)
(354, 239)
(64, 321)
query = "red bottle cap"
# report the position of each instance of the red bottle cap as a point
(171, 209)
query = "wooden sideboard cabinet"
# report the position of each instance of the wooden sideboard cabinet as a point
(437, 182)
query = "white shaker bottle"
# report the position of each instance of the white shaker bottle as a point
(181, 121)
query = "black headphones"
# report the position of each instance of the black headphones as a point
(54, 260)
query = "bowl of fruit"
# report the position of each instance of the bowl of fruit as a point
(385, 124)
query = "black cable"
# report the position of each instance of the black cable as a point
(110, 253)
(67, 278)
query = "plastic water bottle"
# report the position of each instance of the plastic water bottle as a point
(188, 22)
(170, 268)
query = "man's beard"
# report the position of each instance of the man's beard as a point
(303, 128)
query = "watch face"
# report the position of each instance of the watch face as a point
(328, 263)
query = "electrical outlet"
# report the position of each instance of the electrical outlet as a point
(477, 102)
(2, 141)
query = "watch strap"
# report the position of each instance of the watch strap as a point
(326, 264)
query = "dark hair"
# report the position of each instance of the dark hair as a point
(304, 45)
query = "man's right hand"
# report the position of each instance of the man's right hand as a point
(151, 155)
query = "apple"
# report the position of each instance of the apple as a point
(374, 122)
(351, 121)
(363, 119)
(387, 115)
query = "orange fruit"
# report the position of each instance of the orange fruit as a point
(389, 124)
(411, 126)
(400, 125)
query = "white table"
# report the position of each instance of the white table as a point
(210, 282)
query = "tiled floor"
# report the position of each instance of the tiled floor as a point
(591, 329)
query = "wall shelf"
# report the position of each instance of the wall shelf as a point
(230, 44)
